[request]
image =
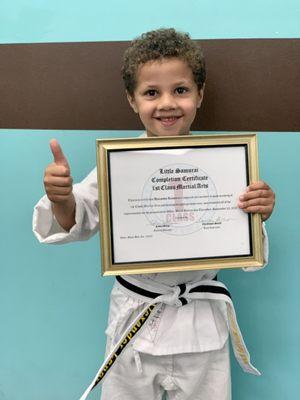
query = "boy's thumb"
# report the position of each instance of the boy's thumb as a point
(58, 155)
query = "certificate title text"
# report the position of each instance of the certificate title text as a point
(178, 179)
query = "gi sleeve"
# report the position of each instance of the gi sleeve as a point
(48, 230)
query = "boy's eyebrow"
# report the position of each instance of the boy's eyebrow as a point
(149, 84)
(178, 83)
(184, 82)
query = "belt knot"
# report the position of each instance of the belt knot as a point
(176, 298)
(183, 300)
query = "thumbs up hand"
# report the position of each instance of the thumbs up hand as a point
(57, 179)
(58, 185)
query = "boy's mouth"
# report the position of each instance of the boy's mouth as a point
(168, 121)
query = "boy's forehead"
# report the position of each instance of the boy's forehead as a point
(164, 69)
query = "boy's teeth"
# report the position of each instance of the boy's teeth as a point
(168, 121)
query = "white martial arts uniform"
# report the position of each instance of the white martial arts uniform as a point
(183, 337)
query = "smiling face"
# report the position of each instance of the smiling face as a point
(166, 97)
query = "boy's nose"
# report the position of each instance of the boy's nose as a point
(166, 102)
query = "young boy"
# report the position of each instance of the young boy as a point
(182, 350)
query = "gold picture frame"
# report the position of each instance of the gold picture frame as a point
(170, 203)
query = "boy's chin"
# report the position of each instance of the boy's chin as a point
(167, 133)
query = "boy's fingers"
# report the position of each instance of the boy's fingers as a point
(265, 211)
(60, 191)
(58, 155)
(258, 185)
(60, 180)
(57, 170)
(260, 201)
(256, 194)
(257, 209)
(258, 198)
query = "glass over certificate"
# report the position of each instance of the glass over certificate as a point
(170, 204)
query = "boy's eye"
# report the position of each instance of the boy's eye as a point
(181, 90)
(151, 92)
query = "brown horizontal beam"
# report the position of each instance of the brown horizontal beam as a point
(252, 85)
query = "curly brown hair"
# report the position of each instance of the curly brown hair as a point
(159, 44)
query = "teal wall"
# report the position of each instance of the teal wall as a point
(76, 20)
(53, 304)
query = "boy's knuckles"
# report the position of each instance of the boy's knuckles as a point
(62, 170)
(273, 195)
(258, 185)
(259, 201)
(67, 190)
(51, 168)
(69, 181)
(261, 193)
(54, 180)
(57, 170)
(65, 170)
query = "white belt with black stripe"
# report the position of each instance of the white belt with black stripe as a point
(175, 296)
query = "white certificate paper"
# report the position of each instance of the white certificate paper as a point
(178, 204)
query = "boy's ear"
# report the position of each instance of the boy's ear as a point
(131, 101)
(201, 94)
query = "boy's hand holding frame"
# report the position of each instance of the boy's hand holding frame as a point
(259, 198)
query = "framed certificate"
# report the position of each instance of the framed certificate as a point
(170, 203)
